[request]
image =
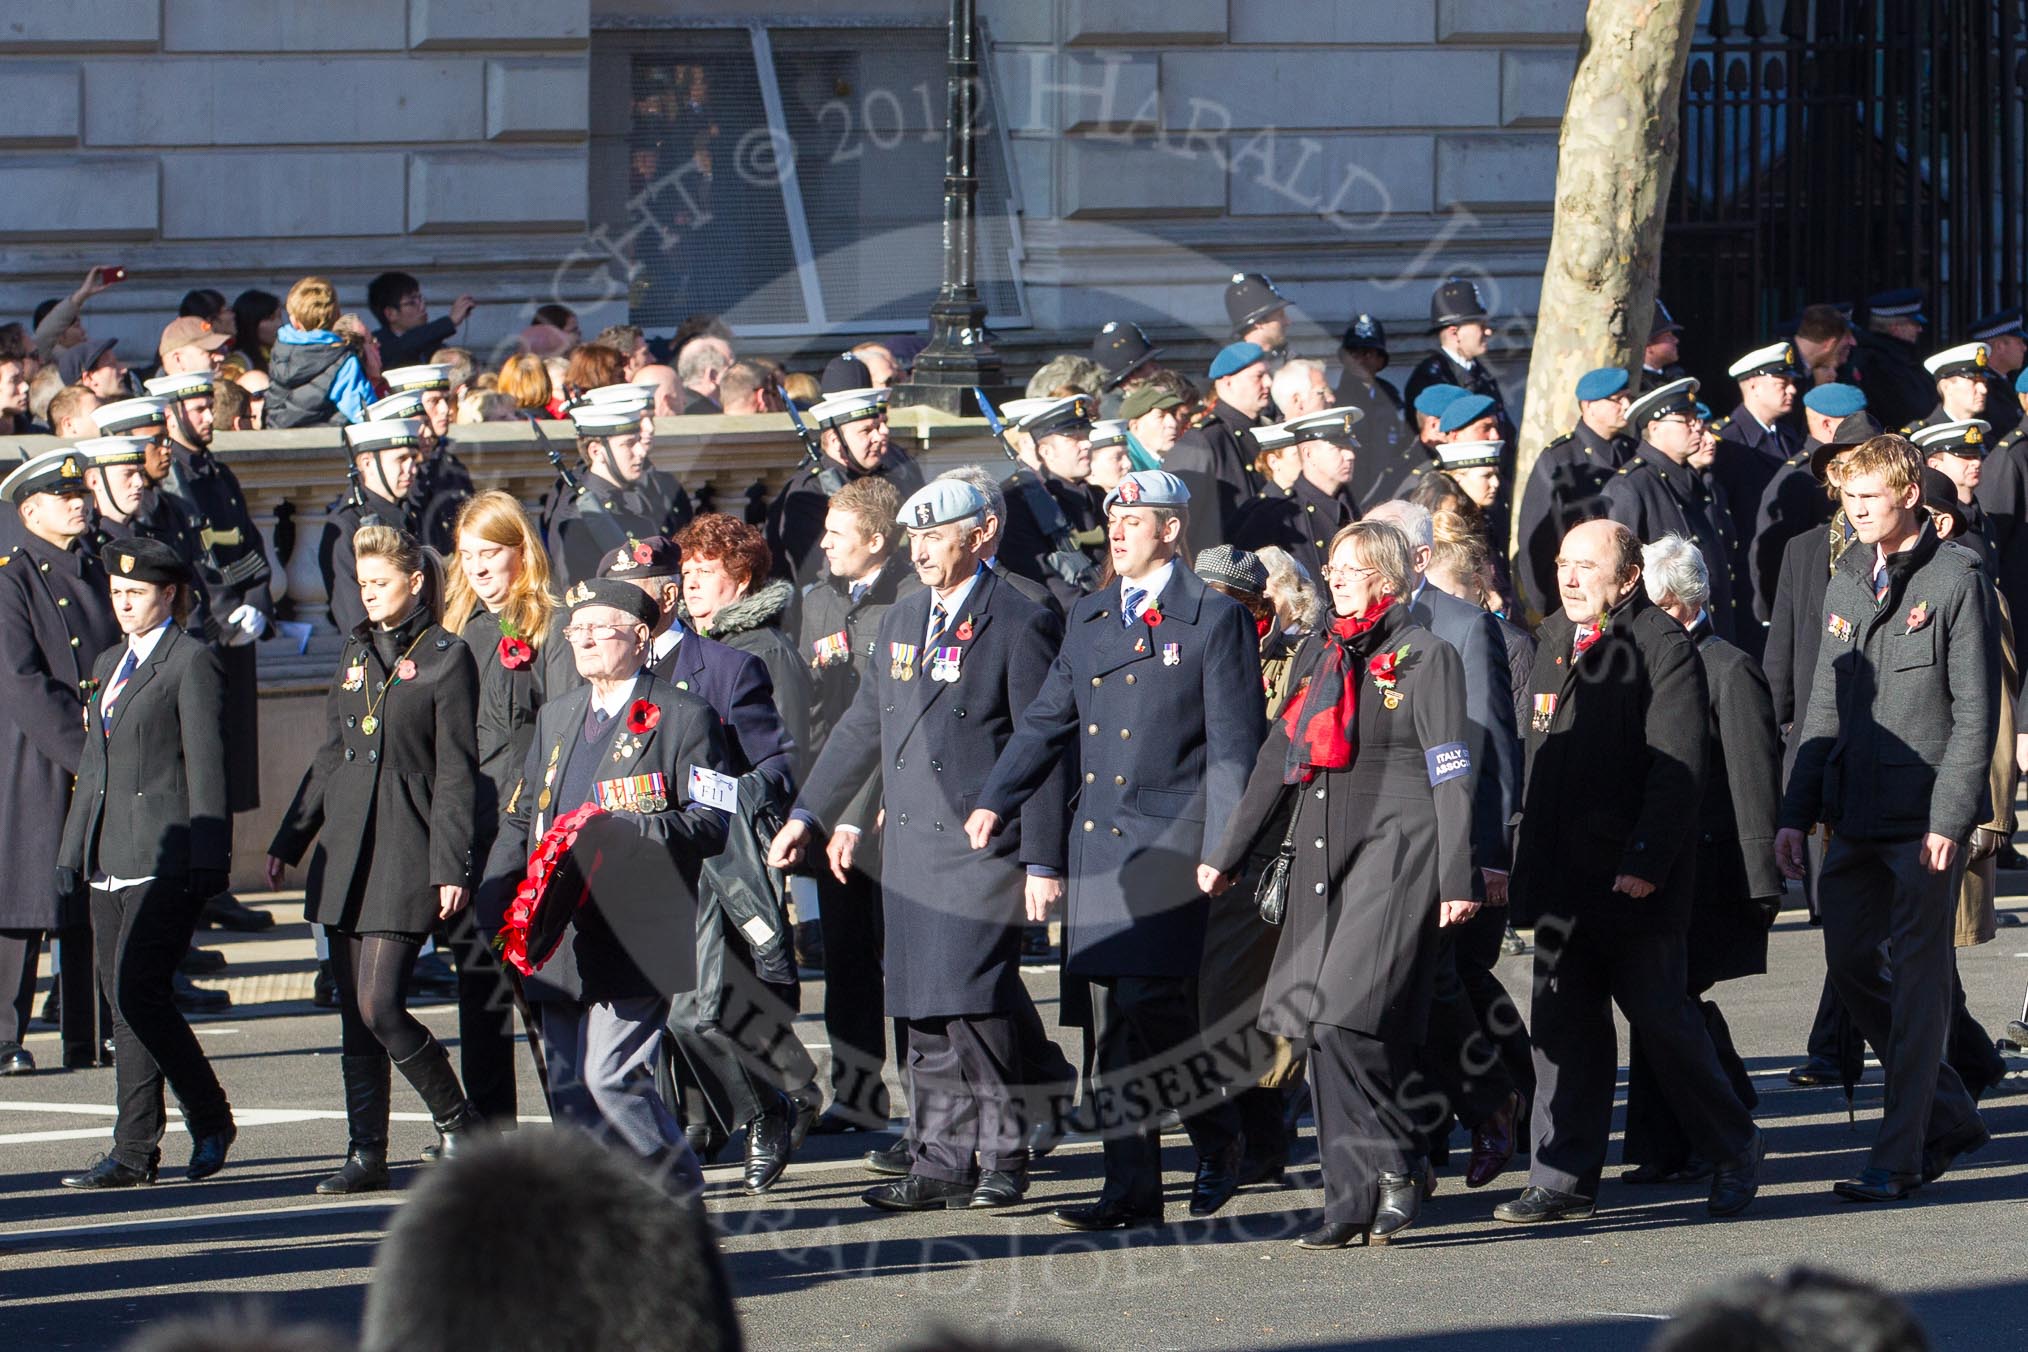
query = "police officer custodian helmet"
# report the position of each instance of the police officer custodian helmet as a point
(145, 559)
(1119, 347)
(1457, 301)
(1365, 334)
(1678, 396)
(58, 471)
(1249, 298)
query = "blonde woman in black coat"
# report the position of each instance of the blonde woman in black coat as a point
(391, 793)
(1373, 749)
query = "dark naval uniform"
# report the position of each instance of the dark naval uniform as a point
(580, 532)
(54, 620)
(1898, 389)
(1167, 718)
(1749, 459)
(1563, 489)
(1385, 431)
(795, 529)
(1793, 503)
(1303, 522)
(1440, 368)
(929, 721)
(2003, 494)
(442, 484)
(334, 552)
(1215, 462)
(1027, 542)
(1653, 496)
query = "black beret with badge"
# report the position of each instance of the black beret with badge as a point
(145, 559)
(621, 596)
(640, 560)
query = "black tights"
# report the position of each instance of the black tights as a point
(372, 973)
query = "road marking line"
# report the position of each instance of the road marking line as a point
(205, 1219)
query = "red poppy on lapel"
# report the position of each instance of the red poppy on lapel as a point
(642, 716)
(515, 652)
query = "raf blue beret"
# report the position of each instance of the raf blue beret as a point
(1150, 487)
(940, 501)
(1603, 383)
(1235, 357)
(2021, 383)
(1434, 399)
(1464, 412)
(1835, 401)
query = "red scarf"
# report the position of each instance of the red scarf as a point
(1322, 717)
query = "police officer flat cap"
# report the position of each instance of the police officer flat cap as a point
(1332, 424)
(182, 385)
(1776, 359)
(105, 451)
(426, 376)
(1678, 396)
(1238, 569)
(1364, 334)
(1462, 411)
(1119, 347)
(939, 502)
(128, 414)
(1148, 488)
(1603, 383)
(384, 435)
(1434, 399)
(1234, 358)
(1108, 432)
(1966, 359)
(1664, 322)
(1249, 298)
(1468, 454)
(59, 471)
(636, 560)
(849, 406)
(621, 596)
(1145, 399)
(1905, 303)
(605, 420)
(1835, 400)
(144, 559)
(1966, 437)
(400, 404)
(2005, 324)
(1456, 301)
(844, 373)
(640, 392)
(1061, 417)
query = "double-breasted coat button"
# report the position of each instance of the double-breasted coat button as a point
(350, 754)
(889, 709)
(1089, 777)
(1097, 680)
(961, 713)
(1116, 830)
(373, 754)
(939, 826)
(351, 720)
(1318, 888)
(904, 819)
(1126, 733)
(1130, 678)
(43, 566)
(1119, 779)
(73, 641)
(1090, 825)
(937, 766)
(1320, 842)
(1091, 730)
(897, 762)
(1320, 793)
(63, 600)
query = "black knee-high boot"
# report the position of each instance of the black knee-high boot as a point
(429, 1073)
(366, 1095)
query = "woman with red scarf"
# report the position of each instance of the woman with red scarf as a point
(1371, 753)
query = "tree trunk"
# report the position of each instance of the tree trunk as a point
(1615, 161)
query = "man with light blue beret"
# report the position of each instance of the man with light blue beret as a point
(1214, 460)
(1794, 500)
(1564, 486)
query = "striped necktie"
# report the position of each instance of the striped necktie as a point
(113, 691)
(1131, 602)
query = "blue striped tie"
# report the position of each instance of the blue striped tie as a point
(1131, 602)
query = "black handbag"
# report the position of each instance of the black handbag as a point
(1271, 895)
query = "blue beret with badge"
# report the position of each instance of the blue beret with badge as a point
(939, 502)
(1148, 488)
(1603, 383)
(1461, 413)
(1434, 399)
(1234, 358)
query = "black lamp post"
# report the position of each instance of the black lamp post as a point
(959, 354)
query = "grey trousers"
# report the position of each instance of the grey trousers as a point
(1874, 892)
(601, 1060)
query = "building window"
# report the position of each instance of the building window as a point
(788, 179)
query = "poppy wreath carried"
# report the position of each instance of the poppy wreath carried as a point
(556, 884)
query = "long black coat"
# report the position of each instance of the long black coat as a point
(795, 529)
(1215, 462)
(1494, 736)
(1026, 546)
(1301, 522)
(1439, 369)
(335, 556)
(399, 802)
(1749, 456)
(2003, 494)
(637, 934)
(1793, 503)
(830, 613)
(1653, 496)
(1168, 720)
(1377, 845)
(1795, 633)
(738, 687)
(1384, 432)
(1898, 389)
(507, 705)
(579, 533)
(151, 789)
(953, 914)
(1737, 884)
(54, 620)
(1616, 750)
(1563, 489)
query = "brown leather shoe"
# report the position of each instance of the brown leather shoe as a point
(1493, 1144)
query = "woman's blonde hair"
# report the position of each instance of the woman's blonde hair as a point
(526, 380)
(406, 553)
(312, 303)
(1459, 548)
(498, 519)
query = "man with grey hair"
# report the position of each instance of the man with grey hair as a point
(1738, 886)
(996, 525)
(1471, 1004)
(699, 365)
(1300, 387)
(1070, 371)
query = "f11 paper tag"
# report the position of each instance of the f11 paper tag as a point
(714, 789)
(1447, 762)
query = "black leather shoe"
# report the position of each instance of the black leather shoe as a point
(1690, 1170)
(896, 1159)
(364, 1170)
(194, 999)
(805, 1116)
(1262, 1169)
(201, 962)
(227, 912)
(15, 1060)
(434, 978)
(1333, 1235)
(107, 1172)
(1734, 1183)
(1814, 1072)
(1877, 1185)
(1217, 1179)
(1938, 1159)
(916, 1193)
(1512, 944)
(85, 1057)
(997, 1187)
(1400, 1203)
(1106, 1214)
(1536, 1205)
(767, 1145)
(207, 1152)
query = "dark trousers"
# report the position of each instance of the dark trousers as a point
(855, 994)
(1362, 1130)
(1478, 950)
(83, 1014)
(1456, 1056)
(486, 1020)
(20, 951)
(961, 1073)
(732, 1067)
(1874, 892)
(1581, 972)
(1653, 1134)
(1148, 1056)
(143, 932)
